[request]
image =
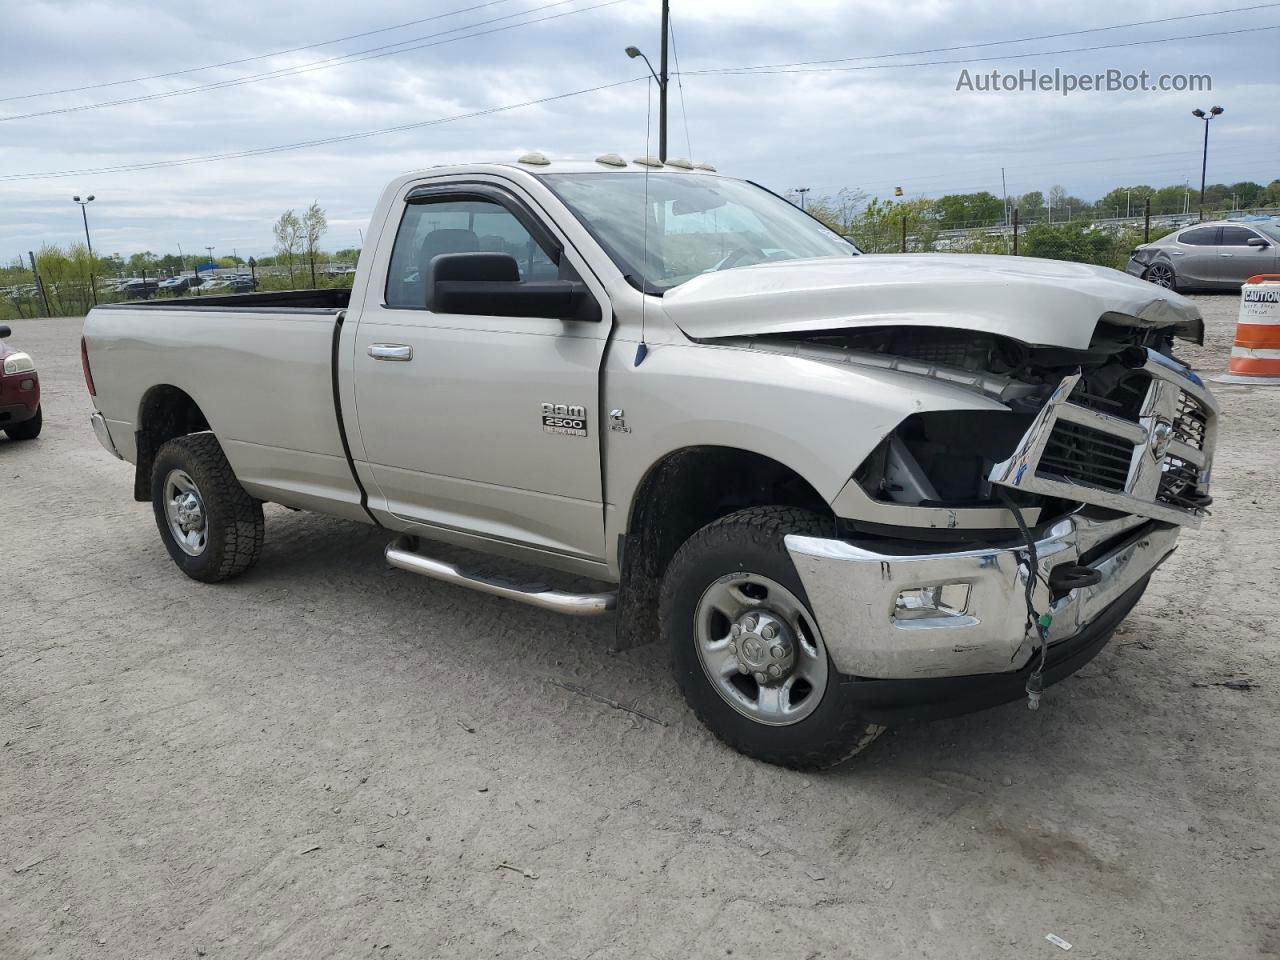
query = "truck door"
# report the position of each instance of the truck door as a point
(450, 407)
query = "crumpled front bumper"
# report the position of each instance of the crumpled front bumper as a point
(855, 594)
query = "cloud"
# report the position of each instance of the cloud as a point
(869, 129)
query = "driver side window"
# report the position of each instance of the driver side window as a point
(457, 226)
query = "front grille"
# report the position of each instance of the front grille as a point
(1178, 482)
(1190, 421)
(1087, 445)
(1080, 454)
(1124, 400)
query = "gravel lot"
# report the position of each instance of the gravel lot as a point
(328, 758)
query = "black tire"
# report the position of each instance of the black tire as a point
(752, 541)
(233, 519)
(27, 429)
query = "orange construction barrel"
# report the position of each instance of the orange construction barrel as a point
(1255, 358)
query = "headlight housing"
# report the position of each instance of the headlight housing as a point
(18, 363)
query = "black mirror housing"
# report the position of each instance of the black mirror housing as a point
(1257, 242)
(489, 285)
(4, 331)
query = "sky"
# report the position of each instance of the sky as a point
(890, 115)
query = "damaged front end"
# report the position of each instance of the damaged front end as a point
(1104, 452)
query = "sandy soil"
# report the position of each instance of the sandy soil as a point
(328, 758)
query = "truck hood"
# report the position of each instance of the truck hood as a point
(1041, 302)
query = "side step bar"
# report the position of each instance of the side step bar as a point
(400, 553)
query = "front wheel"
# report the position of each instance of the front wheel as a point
(747, 651)
(27, 429)
(211, 527)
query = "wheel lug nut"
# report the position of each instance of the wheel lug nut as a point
(769, 632)
(774, 670)
(776, 652)
(735, 630)
(749, 623)
(761, 678)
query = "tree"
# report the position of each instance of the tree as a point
(314, 226)
(288, 232)
(1031, 206)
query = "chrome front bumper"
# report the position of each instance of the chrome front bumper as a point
(855, 595)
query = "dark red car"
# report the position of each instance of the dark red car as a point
(20, 414)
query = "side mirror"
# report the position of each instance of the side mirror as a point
(1257, 242)
(4, 331)
(489, 285)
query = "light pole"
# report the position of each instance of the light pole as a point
(210, 249)
(661, 76)
(93, 289)
(1204, 160)
(801, 191)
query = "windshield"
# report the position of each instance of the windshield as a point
(1271, 230)
(690, 224)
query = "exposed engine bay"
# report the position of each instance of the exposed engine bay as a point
(946, 458)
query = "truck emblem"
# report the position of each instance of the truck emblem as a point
(1160, 438)
(566, 419)
(618, 421)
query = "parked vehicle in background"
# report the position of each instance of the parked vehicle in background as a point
(176, 285)
(137, 288)
(20, 414)
(1210, 256)
(847, 491)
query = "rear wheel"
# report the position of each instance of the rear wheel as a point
(747, 651)
(1162, 275)
(211, 527)
(27, 429)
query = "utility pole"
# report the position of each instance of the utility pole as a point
(660, 75)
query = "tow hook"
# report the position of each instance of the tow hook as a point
(1071, 576)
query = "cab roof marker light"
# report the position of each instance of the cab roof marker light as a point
(611, 160)
(535, 159)
(680, 163)
(648, 161)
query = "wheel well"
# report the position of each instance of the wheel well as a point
(165, 412)
(680, 495)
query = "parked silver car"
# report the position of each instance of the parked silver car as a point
(1218, 255)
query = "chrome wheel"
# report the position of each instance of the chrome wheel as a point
(184, 509)
(1161, 274)
(760, 649)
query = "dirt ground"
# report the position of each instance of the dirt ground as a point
(329, 758)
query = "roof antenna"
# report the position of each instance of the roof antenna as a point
(642, 350)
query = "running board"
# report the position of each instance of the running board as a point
(400, 554)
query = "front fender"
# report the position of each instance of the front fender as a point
(819, 419)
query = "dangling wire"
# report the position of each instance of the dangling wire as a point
(1040, 622)
(642, 350)
(675, 52)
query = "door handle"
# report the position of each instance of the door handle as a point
(1226, 254)
(391, 351)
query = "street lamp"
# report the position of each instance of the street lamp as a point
(800, 192)
(1204, 160)
(661, 79)
(88, 243)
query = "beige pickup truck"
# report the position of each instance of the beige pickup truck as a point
(847, 491)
